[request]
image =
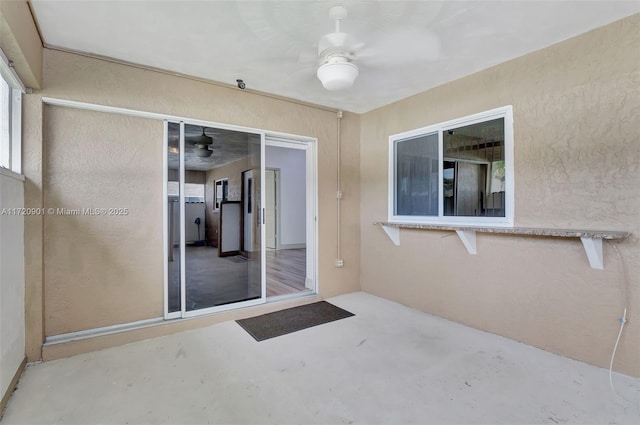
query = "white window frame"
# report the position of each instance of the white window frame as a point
(216, 206)
(505, 112)
(11, 157)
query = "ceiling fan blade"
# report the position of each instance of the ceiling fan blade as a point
(303, 71)
(402, 47)
(304, 78)
(308, 56)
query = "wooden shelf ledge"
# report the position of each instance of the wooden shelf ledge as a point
(591, 239)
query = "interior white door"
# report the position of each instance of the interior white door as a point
(230, 215)
(271, 199)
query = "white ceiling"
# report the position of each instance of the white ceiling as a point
(272, 45)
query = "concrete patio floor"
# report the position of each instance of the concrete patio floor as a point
(388, 364)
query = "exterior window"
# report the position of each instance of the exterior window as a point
(456, 172)
(11, 90)
(5, 124)
(193, 192)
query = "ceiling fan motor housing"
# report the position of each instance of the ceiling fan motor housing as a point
(202, 139)
(336, 42)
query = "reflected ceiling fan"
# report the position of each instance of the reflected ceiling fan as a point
(339, 53)
(202, 144)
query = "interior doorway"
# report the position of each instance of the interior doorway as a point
(290, 217)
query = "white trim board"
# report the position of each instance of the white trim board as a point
(9, 74)
(105, 330)
(52, 101)
(12, 174)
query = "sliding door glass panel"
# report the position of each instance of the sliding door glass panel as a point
(173, 217)
(219, 269)
(254, 270)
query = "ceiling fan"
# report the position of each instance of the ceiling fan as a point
(202, 144)
(339, 53)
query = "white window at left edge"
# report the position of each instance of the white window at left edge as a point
(11, 89)
(5, 124)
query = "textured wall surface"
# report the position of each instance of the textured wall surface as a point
(32, 160)
(577, 165)
(20, 42)
(75, 77)
(12, 324)
(101, 269)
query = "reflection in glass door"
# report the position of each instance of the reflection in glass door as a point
(172, 213)
(209, 266)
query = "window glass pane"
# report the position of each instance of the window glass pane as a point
(173, 220)
(474, 170)
(194, 192)
(417, 176)
(221, 190)
(5, 119)
(223, 255)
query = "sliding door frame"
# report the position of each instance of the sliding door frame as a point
(183, 313)
(165, 118)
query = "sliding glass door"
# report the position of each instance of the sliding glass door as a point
(211, 212)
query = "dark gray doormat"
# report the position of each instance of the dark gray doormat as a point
(293, 319)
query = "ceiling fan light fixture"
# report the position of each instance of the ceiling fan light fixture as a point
(337, 74)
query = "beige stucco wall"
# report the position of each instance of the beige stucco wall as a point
(80, 78)
(12, 324)
(102, 269)
(576, 106)
(32, 162)
(20, 42)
